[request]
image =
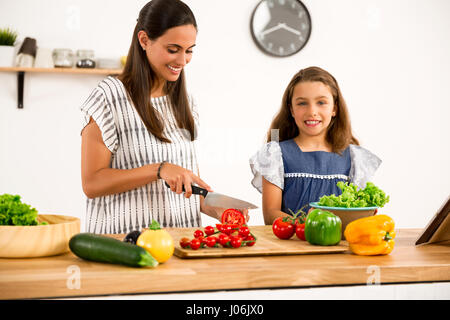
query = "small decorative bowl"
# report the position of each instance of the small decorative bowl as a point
(347, 215)
(38, 241)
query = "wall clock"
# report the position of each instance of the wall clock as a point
(280, 27)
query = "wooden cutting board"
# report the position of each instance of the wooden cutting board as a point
(267, 244)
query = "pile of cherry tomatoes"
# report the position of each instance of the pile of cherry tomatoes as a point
(231, 233)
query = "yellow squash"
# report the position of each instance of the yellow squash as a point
(371, 236)
(158, 242)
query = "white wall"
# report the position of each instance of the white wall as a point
(391, 59)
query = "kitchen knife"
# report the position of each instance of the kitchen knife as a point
(219, 200)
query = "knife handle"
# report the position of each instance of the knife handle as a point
(195, 190)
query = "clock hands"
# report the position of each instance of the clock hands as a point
(286, 27)
(279, 26)
(270, 30)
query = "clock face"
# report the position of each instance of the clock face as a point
(280, 27)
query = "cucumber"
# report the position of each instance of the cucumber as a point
(94, 247)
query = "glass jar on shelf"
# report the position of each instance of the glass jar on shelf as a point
(63, 58)
(85, 59)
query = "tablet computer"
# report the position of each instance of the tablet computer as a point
(438, 229)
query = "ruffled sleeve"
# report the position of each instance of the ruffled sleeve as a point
(97, 107)
(268, 163)
(363, 165)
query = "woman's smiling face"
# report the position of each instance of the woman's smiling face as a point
(312, 107)
(171, 52)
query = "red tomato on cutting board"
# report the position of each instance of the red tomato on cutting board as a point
(283, 228)
(233, 216)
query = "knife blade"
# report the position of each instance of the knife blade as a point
(216, 199)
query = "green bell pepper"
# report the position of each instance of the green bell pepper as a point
(323, 228)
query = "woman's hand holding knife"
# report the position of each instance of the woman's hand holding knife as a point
(180, 180)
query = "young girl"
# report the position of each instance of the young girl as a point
(139, 130)
(310, 147)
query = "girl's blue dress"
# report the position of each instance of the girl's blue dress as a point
(304, 177)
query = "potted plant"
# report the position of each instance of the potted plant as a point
(7, 40)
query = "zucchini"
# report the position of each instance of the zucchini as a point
(94, 247)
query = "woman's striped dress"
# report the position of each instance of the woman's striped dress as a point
(132, 146)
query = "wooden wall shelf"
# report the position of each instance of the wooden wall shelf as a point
(62, 70)
(21, 75)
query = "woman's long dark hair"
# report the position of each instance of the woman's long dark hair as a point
(155, 18)
(339, 133)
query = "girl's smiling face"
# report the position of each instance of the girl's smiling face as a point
(312, 107)
(171, 52)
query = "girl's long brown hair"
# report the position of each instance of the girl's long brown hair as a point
(155, 18)
(339, 133)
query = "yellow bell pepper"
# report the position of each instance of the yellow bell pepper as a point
(158, 242)
(371, 235)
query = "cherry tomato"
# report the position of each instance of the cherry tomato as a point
(227, 229)
(211, 241)
(283, 228)
(198, 233)
(233, 216)
(223, 239)
(300, 231)
(252, 239)
(195, 243)
(209, 230)
(184, 242)
(236, 241)
(244, 231)
(223, 226)
(202, 241)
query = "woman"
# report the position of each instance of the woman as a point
(139, 131)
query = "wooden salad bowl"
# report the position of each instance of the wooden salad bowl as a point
(40, 240)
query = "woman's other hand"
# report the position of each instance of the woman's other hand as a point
(245, 213)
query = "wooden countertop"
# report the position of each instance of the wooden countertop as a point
(68, 276)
